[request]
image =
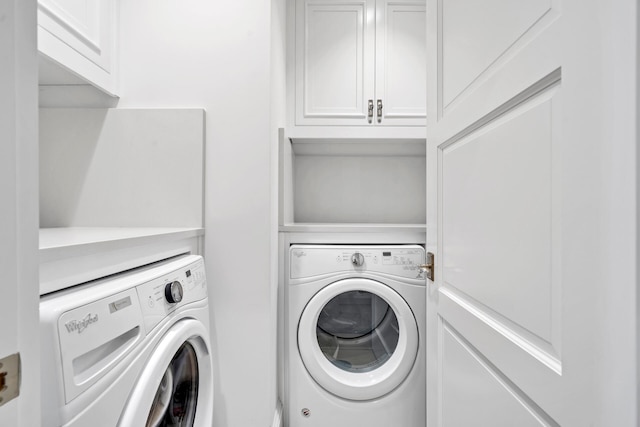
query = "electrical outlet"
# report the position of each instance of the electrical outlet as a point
(9, 378)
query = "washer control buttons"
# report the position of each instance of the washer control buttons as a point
(357, 259)
(173, 292)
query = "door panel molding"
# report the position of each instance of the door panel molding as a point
(535, 89)
(511, 73)
(528, 25)
(494, 323)
(498, 230)
(462, 357)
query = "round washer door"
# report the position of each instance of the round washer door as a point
(358, 338)
(175, 387)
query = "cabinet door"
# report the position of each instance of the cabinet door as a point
(334, 61)
(401, 63)
(80, 36)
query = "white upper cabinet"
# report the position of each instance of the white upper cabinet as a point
(401, 62)
(80, 36)
(360, 63)
(334, 61)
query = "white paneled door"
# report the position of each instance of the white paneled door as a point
(19, 375)
(511, 313)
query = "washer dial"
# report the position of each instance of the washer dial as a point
(357, 259)
(173, 292)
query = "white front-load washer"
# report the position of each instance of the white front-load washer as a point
(130, 350)
(355, 336)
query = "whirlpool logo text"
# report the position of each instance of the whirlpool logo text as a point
(80, 325)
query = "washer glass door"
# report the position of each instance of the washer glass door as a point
(358, 338)
(357, 331)
(175, 401)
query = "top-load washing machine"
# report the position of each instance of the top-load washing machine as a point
(355, 336)
(130, 350)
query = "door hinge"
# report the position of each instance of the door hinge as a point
(9, 378)
(429, 266)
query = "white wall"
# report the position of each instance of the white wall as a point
(359, 189)
(158, 153)
(217, 56)
(278, 120)
(19, 207)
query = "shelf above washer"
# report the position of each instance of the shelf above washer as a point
(74, 255)
(300, 133)
(351, 228)
(359, 147)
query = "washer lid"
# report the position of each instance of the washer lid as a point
(358, 339)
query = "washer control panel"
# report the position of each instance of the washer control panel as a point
(93, 326)
(161, 296)
(315, 260)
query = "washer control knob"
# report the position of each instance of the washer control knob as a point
(173, 292)
(357, 259)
